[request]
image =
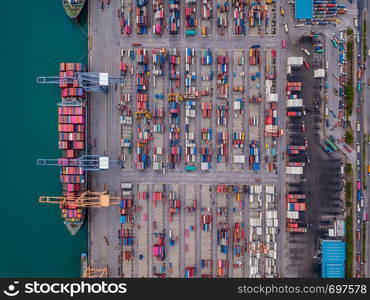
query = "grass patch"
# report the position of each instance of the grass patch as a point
(349, 95)
(349, 190)
(349, 246)
(364, 31)
(348, 170)
(348, 137)
(349, 50)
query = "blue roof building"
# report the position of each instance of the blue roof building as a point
(303, 9)
(333, 259)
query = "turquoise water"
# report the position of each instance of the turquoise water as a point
(36, 36)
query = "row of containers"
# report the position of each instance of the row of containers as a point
(222, 16)
(71, 132)
(296, 207)
(240, 17)
(174, 109)
(325, 12)
(125, 233)
(222, 76)
(144, 134)
(295, 202)
(206, 17)
(257, 14)
(68, 82)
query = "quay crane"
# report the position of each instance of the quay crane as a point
(95, 273)
(87, 199)
(90, 81)
(85, 162)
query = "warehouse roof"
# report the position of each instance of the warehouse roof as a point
(303, 9)
(333, 259)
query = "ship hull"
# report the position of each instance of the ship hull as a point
(74, 227)
(73, 11)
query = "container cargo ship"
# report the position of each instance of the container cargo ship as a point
(73, 7)
(71, 130)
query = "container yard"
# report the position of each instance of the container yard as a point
(223, 130)
(198, 230)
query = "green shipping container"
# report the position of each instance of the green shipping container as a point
(190, 32)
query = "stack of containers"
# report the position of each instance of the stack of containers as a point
(222, 267)
(255, 99)
(190, 76)
(256, 14)
(254, 55)
(190, 17)
(206, 222)
(271, 120)
(223, 238)
(174, 205)
(207, 110)
(158, 16)
(294, 91)
(157, 196)
(70, 89)
(222, 149)
(295, 149)
(240, 17)
(254, 156)
(222, 16)
(190, 272)
(206, 14)
(238, 239)
(159, 246)
(159, 59)
(144, 135)
(222, 76)
(239, 105)
(221, 188)
(125, 16)
(206, 57)
(174, 62)
(141, 17)
(222, 114)
(206, 135)
(126, 236)
(143, 148)
(238, 139)
(174, 17)
(190, 143)
(71, 128)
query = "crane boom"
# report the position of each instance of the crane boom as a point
(87, 199)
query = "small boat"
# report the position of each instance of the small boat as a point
(83, 264)
(73, 7)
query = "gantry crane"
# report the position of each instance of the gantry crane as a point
(90, 81)
(95, 273)
(87, 199)
(175, 97)
(85, 162)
